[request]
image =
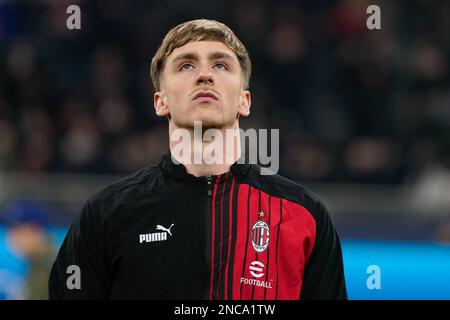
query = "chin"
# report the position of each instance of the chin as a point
(207, 122)
(212, 123)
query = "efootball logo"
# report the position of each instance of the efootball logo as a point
(260, 236)
(257, 269)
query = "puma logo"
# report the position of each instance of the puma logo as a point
(160, 227)
(156, 236)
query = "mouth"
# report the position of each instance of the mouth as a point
(205, 96)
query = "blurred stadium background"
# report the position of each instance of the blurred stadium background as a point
(364, 119)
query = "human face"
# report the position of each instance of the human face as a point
(27, 239)
(202, 81)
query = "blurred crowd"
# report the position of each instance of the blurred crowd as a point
(352, 104)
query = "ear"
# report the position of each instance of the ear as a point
(160, 104)
(245, 101)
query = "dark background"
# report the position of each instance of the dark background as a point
(364, 115)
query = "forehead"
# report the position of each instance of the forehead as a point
(202, 49)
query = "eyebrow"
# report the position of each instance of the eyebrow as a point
(193, 56)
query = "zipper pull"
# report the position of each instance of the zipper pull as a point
(209, 185)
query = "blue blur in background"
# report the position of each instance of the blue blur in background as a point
(408, 270)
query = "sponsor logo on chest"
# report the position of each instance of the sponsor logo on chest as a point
(156, 236)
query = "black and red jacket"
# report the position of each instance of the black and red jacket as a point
(162, 233)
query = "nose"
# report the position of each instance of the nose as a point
(205, 77)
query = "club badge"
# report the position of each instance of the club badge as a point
(260, 236)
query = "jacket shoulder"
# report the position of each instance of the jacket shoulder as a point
(284, 188)
(124, 191)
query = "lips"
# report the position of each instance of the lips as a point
(205, 94)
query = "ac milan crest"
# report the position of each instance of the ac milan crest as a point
(260, 236)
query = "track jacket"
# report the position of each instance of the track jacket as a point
(162, 233)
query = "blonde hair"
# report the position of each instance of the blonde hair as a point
(199, 30)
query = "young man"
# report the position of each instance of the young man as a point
(201, 229)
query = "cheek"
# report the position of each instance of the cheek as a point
(233, 98)
(177, 90)
(175, 96)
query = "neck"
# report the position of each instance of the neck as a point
(205, 152)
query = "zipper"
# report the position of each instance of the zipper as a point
(208, 241)
(209, 185)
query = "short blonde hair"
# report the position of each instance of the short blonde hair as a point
(199, 30)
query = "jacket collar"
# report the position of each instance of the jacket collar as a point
(179, 171)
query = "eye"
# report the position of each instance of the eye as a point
(221, 65)
(186, 66)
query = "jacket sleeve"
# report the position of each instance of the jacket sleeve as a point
(80, 270)
(324, 270)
